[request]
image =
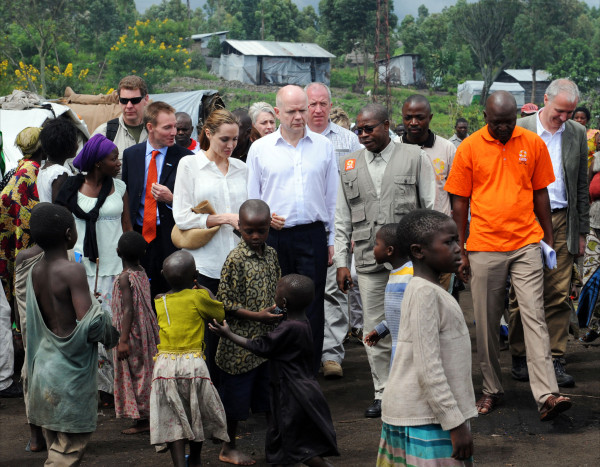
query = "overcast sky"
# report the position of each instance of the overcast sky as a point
(402, 7)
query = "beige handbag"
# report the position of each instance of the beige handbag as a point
(193, 239)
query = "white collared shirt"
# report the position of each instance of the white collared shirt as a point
(376, 164)
(557, 189)
(199, 179)
(298, 183)
(344, 141)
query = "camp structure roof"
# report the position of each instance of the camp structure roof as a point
(525, 75)
(279, 49)
(198, 37)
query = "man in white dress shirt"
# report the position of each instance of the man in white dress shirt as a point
(336, 302)
(569, 201)
(295, 172)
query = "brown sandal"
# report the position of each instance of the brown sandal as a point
(589, 336)
(488, 403)
(553, 406)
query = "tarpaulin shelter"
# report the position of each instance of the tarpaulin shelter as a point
(470, 91)
(267, 62)
(198, 104)
(18, 112)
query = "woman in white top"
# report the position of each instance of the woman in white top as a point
(99, 204)
(214, 176)
(59, 142)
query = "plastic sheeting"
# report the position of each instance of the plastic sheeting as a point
(189, 102)
(275, 70)
(12, 122)
(278, 70)
(470, 89)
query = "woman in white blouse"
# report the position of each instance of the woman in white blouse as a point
(214, 176)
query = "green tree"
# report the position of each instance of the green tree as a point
(351, 24)
(42, 22)
(485, 26)
(278, 19)
(155, 50)
(550, 24)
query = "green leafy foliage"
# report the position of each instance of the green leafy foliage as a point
(154, 49)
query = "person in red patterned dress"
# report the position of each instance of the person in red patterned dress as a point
(135, 320)
(17, 200)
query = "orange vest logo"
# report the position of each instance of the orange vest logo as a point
(350, 164)
(523, 157)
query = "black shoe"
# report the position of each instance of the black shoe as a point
(374, 410)
(562, 378)
(14, 390)
(519, 368)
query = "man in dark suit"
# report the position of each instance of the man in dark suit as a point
(149, 171)
(569, 201)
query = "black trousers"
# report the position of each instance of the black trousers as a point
(156, 252)
(303, 250)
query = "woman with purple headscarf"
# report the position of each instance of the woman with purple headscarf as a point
(98, 201)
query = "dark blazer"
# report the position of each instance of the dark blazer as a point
(133, 172)
(575, 171)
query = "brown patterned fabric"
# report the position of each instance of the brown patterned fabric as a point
(248, 280)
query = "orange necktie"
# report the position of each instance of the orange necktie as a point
(149, 225)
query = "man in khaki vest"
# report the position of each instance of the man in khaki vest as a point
(379, 184)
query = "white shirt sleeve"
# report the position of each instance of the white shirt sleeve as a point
(183, 196)
(253, 174)
(331, 187)
(426, 182)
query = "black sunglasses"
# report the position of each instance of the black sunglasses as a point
(133, 100)
(367, 129)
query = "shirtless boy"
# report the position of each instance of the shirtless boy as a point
(64, 325)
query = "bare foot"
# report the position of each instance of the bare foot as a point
(233, 456)
(140, 426)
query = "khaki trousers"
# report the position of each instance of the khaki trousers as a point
(557, 285)
(372, 292)
(65, 449)
(488, 286)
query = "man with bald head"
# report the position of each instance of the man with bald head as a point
(379, 185)
(502, 171)
(294, 171)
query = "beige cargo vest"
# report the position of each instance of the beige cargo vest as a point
(399, 195)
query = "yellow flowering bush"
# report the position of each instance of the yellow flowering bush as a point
(154, 49)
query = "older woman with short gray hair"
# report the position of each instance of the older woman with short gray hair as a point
(263, 117)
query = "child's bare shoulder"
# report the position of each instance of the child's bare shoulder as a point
(27, 254)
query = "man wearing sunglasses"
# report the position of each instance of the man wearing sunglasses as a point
(128, 129)
(379, 184)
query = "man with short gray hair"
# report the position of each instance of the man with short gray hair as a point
(569, 202)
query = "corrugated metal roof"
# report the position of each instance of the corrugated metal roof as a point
(279, 49)
(197, 37)
(525, 75)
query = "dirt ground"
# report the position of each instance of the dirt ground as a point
(510, 436)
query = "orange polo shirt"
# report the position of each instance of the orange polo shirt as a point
(500, 180)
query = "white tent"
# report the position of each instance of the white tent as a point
(469, 89)
(12, 122)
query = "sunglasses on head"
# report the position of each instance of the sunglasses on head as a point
(133, 100)
(367, 129)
